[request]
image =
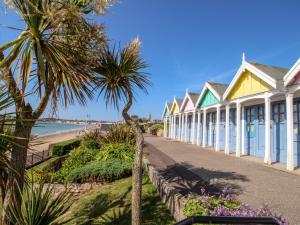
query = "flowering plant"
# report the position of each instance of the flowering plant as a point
(225, 204)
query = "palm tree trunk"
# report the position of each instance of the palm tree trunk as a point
(136, 199)
(16, 175)
(137, 179)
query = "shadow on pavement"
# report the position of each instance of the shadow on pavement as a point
(188, 179)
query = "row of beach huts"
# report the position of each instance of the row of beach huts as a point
(257, 114)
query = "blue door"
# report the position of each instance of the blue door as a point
(278, 133)
(232, 133)
(176, 127)
(213, 127)
(297, 133)
(201, 129)
(189, 128)
(254, 130)
(260, 127)
(196, 128)
(208, 119)
(222, 129)
(250, 130)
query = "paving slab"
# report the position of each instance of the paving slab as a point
(190, 168)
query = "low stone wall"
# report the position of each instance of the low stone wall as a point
(75, 189)
(174, 201)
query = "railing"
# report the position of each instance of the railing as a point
(227, 220)
(36, 158)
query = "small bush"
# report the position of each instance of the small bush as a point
(153, 129)
(77, 158)
(116, 151)
(64, 147)
(92, 138)
(42, 177)
(101, 171)
(91, 144)
(47, 171)
(225, 205)
(120, 133)
(204, 205)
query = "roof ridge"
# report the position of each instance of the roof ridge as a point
(211, 82)
(279, 67)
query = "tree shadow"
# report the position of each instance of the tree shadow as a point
(95, 212)
(104, 209)
(188, 179)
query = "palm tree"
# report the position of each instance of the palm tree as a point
(119, 74)
(51, 60)
(40, 205)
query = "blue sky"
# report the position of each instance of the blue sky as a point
(189, 42)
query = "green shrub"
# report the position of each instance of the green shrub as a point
(91, 144)
(77, 158)
(153, 129)
(120, 133)
(42, 177)
(64, 147)
(101, 171)
(92, 138)
(46, 172)
(116, 151)
(204, 205)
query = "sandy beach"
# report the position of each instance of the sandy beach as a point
(42, 143)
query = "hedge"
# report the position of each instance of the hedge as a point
(101, 171)
(64, 147)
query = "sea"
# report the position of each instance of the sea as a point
(44, 128)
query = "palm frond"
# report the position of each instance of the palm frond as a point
(40, 206)
(120, 72)
(56, 50)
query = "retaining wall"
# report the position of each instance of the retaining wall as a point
(174, 201)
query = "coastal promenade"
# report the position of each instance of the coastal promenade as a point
(189, 167)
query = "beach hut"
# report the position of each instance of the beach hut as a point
(188, 119)
(175, 113)
(292, 86)
(166, 116)
(256, 92)
(209, 105)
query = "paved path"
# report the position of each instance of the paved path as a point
(190, 167)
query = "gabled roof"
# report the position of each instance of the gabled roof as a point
(178, 102)
(272, 75)
(274, 71)
(167, 107)
(292, 73)
(193, 97)
(217, 89)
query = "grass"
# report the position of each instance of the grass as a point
(110, 204)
